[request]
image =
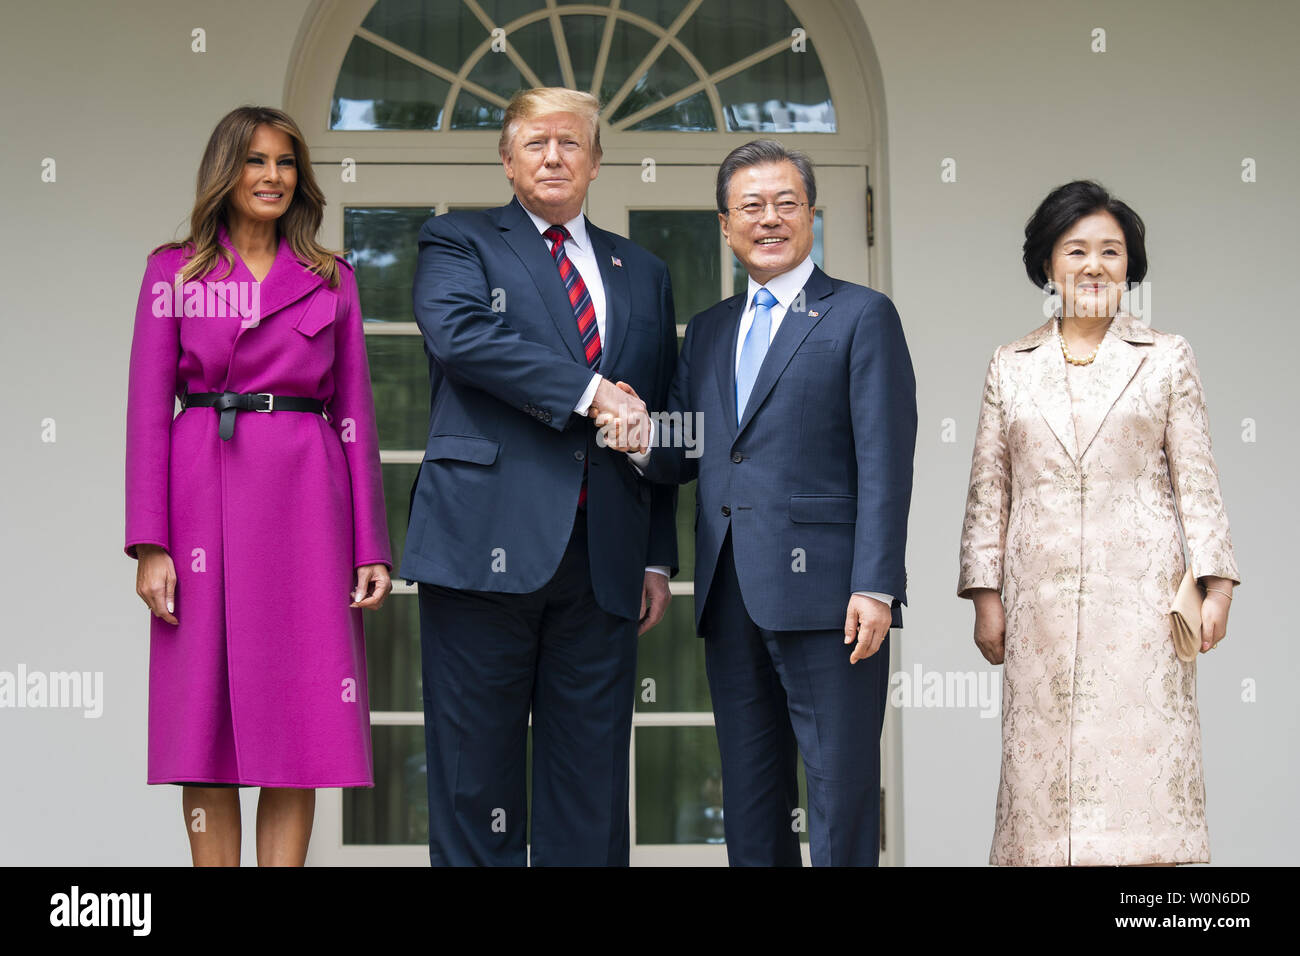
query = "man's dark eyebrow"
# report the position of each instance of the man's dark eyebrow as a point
(782, 192)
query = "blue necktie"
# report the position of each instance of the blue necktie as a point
(754, 349)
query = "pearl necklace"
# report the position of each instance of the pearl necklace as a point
(1065, 349)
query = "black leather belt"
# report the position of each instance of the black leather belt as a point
(227, 403)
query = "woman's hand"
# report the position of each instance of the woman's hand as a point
(373, 586)
(155, 580)
(1214, 612)
(990, 624)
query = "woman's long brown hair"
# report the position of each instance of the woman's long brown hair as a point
(222, 170)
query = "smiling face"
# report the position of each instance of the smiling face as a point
(768, 245)
(1089, 264)
(551, 164)
(270, 176)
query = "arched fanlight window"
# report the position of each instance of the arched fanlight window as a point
(685, 65)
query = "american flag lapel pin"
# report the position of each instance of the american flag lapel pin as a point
(617, 261)
(814, 314)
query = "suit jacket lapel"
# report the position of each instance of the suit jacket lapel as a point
(795, 327)
(522, 236)
(618, 300)
(724, 357)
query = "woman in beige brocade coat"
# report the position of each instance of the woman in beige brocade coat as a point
(1084, 465)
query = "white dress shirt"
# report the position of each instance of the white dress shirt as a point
(785, 287)
(580, 252)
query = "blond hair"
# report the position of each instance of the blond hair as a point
(220, 172)
(541, 100)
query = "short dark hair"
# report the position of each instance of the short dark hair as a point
(1066, 205)
(759, 152)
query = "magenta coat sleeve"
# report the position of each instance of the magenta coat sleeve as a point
(352, 414)
(150, 406)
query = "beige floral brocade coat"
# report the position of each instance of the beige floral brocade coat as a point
(1101, 742)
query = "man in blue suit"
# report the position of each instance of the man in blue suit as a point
(540, 555)
(806, 427)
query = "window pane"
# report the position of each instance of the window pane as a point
(693, 114)
(399, 379)
(470, 112)
(503, 12)
(686, 531)
(396, 811)
(688, 242)
(678, 785)
(628, 47)
(376, 90)
(721, 32)
(381, 245)
(673, 657)
(441, 32)
(398, 479)
(536, 44)
(582, 36)
(668, 74)
(662, 12)
(393, 654)
(785, 93)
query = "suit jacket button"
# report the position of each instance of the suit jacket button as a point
(579, 455)
(726, 512)
(737, 457)
(546, 416)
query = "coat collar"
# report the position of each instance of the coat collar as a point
(1123, 326)
(287, 282)
(1118, 359)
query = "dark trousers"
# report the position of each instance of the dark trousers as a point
(777, 694)
(488, 660)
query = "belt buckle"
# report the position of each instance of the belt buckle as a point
(270, 402)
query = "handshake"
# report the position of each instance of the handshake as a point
(622, 420)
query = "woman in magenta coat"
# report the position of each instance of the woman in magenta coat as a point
(257, 513)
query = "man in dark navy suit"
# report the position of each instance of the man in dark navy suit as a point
(806, 406)
(540, 555)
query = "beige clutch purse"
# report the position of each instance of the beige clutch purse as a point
(1185, 614)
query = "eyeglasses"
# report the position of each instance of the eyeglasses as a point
(786, 209)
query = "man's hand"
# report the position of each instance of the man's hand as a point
(866, 623)
(654, 600)
(621, 416)
(990, 624)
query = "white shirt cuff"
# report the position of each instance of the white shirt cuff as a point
(658, 569)
(639, 459)
(584, 403)
(886, 599)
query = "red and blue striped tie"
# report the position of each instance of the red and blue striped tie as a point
(583, 310)
(579, 297)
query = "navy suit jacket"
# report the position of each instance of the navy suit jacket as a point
(493, 504)
(816, 481)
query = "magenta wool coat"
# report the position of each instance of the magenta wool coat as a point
(263, 682)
